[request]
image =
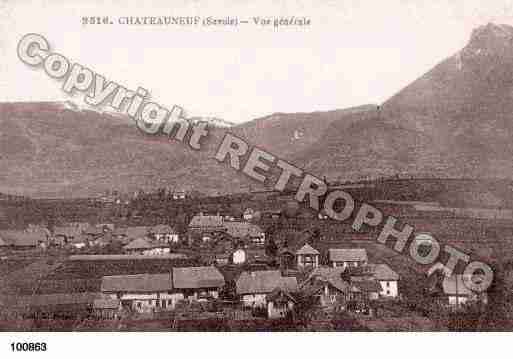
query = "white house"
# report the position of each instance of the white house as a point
(239, 256)
(387, 278)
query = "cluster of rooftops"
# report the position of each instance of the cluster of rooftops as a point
(76, 233)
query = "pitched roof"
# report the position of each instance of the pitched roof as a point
(383, 272)
(264, 282)
(347, 254)
(137, 283)
(162, 229)
(197, 277)
(206, 221)
(331, 275)
(307, 249)
(243, 229)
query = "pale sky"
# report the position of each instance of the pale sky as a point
(353, 53)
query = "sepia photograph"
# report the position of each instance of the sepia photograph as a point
(330, 171)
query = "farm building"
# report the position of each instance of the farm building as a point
(253, 287)
(196, 283)
(347, 257)
(141, 293)
(327, 286)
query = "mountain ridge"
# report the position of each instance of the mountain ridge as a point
(454, 121)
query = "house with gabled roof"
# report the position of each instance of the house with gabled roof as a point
(387, 278)
(327, 285)
(198, 283)
(253, 287)
(141, 292)
(347, 257)
(364, 289)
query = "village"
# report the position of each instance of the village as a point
(247, 262)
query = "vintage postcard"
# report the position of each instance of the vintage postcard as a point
(281, 166)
